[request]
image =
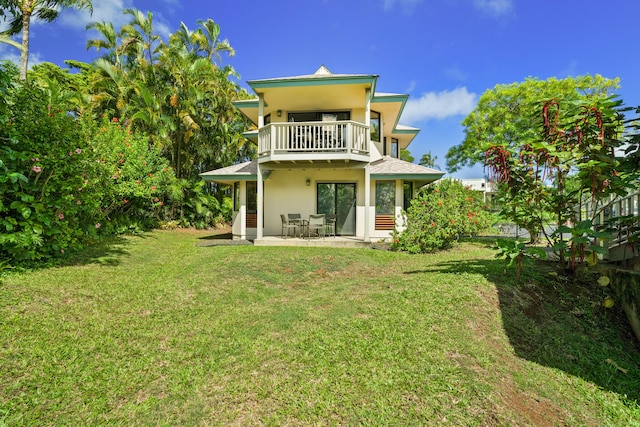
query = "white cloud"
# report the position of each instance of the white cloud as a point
(112, 11)
(495, 7)
(10, 53)
(406, 5)
(104, 10)
(439, 105)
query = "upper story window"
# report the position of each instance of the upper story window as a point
(395, 152)
(374, 126)
(318, 116)
(267, 119)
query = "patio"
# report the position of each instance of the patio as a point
(333, 242)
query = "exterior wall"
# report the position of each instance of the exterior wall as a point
(377, 235)
(238, 228)
(286, 192)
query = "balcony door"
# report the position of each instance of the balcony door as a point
(318, 116)
(339, 199)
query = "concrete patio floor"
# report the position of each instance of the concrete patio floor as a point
(334, 242)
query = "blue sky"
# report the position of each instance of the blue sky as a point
(443, 53)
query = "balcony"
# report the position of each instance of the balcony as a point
(314, 142)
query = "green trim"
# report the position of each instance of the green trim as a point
(402, 99)
(236, 177)
(406, 131)
(390, 98)
(230, 177)
(248, 103)
(415, 176)
(311, 81)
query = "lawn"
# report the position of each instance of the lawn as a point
(157, 330)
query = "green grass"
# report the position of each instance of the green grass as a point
(155, 330)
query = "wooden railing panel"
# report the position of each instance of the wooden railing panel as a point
(385, 222)
(251, 220)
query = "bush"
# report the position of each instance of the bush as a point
(65, 181)
(134, 182)
(439, 215)
(39, 216)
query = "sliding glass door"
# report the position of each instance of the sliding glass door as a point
(339, 199)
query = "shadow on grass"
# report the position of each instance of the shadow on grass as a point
(217, 236)
(108, 251)
(559, 322)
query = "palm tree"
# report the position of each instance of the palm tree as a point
(429, 160)
(108, 42)
(46, 10)
(7, 40)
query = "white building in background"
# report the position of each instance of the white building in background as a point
(487, 187)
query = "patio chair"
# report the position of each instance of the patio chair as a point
(330, 226)
(287, 225)
(316, 224)
(296, 218)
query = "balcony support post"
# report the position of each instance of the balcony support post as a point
(259, 225)
(367, 202)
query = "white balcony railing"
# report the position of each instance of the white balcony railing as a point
(313, 137)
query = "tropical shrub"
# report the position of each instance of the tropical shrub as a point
(131, 176)
(439, 215)
(65, 181)
(38, 179)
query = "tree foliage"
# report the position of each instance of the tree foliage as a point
(23, 11)
(64, 181)
(573, 157)
(429, 160)
(175, 91)
(508, 115)
(97, 151)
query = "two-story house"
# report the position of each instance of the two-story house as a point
(327, 144)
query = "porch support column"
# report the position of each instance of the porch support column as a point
(367, 107)
(259, 202)
(367, 202)
(242, 215)
(367, 173)
(260, 110)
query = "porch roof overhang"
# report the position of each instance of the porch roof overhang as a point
(392, 168)
(247, 171)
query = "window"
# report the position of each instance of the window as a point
(252, 197)
(267, 119)
(236, 196)
(317, 116)
(394, 148)
(385, 197)
(407, 189)
(384, 146)
(374, 126)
